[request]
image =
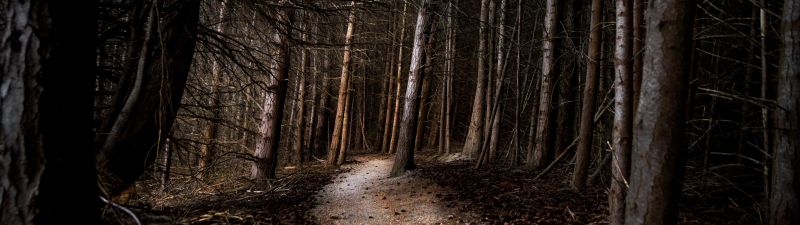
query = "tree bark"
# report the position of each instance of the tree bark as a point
(333, 149)
(586, 134)
(266, 153)
(623, 112)
(658, 136)
(475, 134)
(404, 159)
(543, 138)
(638, 54)
(398, 84)
(784, 205)
(46, 109)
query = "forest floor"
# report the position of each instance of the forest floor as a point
(443, 190)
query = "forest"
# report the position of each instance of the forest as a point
(400, 112)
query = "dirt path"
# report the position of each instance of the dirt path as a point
(366, 196)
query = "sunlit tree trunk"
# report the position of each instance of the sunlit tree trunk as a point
(404, 159)
(658, 135)
(266, 153)
(341, 106)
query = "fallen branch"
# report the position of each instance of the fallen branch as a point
(559, 158)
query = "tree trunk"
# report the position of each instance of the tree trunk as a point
(343, 82)
(404, 159)
(266, 153)
(784, 205)
(584, 150)
(658, 138)
(344, 144)
(398, 84)
(301, 107)
(475, 134)
(638, 54)
(623, 112)
(46, 137)
(320, 131)
(123, 159)
(207, 150)
(541, 153)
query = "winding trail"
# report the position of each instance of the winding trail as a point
(365, 195)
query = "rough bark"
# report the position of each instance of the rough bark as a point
(45, 110)
(784, 205)
(658, 135)
(266, 152)
(623, 112)
(586, 133)
(404, 159)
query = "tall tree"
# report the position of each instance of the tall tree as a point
(398, 79)
(623, 112)
(543, 136)
(404, 159)
(47, 58)
(475, 134)
(266, 152)
(341, 105)
(784, 205)
(586, 133)
(210, 132)
(141, 123)
(658, 135)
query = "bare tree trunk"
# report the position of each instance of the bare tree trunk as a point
(46, 136)
(764, 85)
(451, 73)
(266, 152)
(623, 112)
(207, 150)
(543, 138)
(166, 165)
(320, 129)
(344, 144)
(426, 88)
(387, 107)
(638, 54)
(586, 133)
(399, 87)
(475, 134)
(301, 105)
(122, 161)
(658, 138)
(404, 159)
(784, 205)
(343, 82)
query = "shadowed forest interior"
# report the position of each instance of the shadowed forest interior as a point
(400, 112)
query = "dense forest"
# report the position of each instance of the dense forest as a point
(400, 112)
